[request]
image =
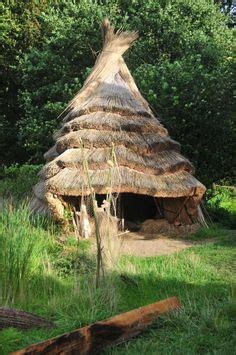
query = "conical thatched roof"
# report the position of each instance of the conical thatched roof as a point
(110, 111)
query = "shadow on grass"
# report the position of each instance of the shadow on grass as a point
(206, 310)
(204, 325)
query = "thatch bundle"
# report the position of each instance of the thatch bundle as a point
(109, 116)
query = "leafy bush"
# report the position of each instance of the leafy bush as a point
(72, 258)
(20, 30)
(221, 205)
(17, 180)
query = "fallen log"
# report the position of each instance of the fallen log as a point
(23, 320)
(95, 337)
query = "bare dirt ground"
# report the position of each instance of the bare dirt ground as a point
(138, 244)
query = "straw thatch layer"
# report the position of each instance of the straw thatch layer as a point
(113, 95)
(92, 138)
(156, 164)
(102, 89)
(113, 122)
(72, 182)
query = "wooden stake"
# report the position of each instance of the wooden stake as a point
(95, 337)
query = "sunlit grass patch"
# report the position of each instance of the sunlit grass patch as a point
(52, 275)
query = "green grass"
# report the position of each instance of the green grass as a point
(203, 278)
(55, 279)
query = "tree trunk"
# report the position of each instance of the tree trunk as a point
(95, 337)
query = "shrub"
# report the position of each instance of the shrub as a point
(221, 205)
(72, 258)
(17, 181)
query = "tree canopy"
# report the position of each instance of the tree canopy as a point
(183, 64)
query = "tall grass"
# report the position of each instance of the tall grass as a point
(54, 278)
(44, 273)
(22, 251)
(39, 266)
(105, 220)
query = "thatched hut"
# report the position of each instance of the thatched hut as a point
(109, 114)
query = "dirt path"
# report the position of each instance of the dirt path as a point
(153, 245)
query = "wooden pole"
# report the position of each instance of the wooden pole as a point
(95, 337)
(23, 320)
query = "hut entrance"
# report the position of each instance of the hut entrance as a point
(134, 209)
(137, 208)
(129, 206)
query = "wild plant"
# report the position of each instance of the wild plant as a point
(21, 250)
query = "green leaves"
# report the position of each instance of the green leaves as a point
(183, 63)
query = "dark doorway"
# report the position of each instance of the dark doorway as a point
(128, 206)
(137, 208)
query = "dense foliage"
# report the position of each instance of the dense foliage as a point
(17, 181)
(221, 205)
(20, 31)
(183, 64)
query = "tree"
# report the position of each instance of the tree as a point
(183, 64)
(20, 30)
